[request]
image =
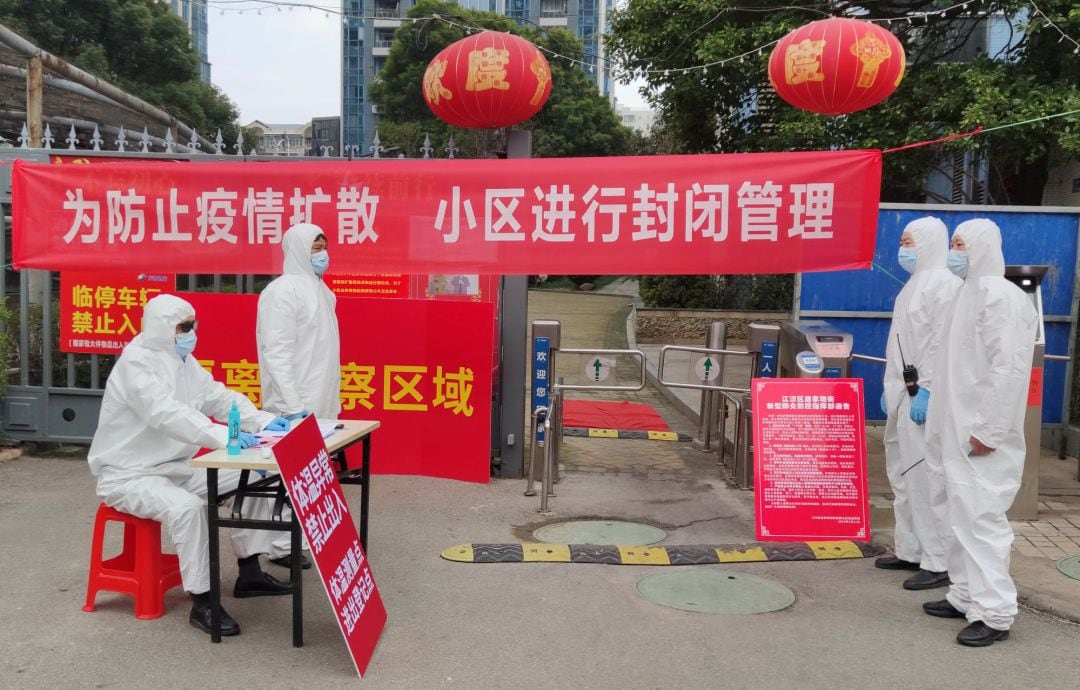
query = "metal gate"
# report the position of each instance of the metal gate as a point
(56, 397)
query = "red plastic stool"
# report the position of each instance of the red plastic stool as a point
(140, 570)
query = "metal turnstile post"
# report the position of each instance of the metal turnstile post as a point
(709, 424)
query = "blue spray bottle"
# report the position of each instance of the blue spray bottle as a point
(234, 430)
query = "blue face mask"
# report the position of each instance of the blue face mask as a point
(320, 261)
(958, 262)
(907, 257)
(185, 344)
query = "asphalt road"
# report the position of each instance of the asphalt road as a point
(494, 625)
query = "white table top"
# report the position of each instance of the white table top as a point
(252, 459)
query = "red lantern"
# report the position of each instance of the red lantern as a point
(836, 66)
(487, 80)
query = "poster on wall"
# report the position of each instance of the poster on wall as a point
(375, 285)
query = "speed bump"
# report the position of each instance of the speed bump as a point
(625, 434)
(685, 554)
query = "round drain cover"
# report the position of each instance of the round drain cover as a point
(600, 532)
(708, 591)
(1070, 566)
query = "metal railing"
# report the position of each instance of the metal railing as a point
(549, 420)
(726, 395)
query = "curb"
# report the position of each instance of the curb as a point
(1047, 603)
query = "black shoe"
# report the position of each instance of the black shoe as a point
(286, 561)
(200, 618)
(927, 579)
(943, 609)
(979, 634)
(891, 562)
(265, 586)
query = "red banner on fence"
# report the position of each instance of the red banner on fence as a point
(420, 367)
(705, 214)
(101, 312)
(343, 567)
(810, 478)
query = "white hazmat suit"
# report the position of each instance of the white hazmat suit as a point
(297, 332)
(154, 417)
(983, 371)
(917, 325)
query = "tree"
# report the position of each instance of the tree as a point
(576, 121)
(138, 45)
(942, 92)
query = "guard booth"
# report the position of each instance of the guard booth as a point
(1026, 505)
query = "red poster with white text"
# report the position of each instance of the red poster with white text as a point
(810, 476)
(343, 567)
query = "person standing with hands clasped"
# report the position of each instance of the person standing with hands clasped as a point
(298, 341)
(155, 415)
(914, 339)
(975, 435)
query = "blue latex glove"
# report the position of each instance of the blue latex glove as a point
(297, 415)
(248, 440)
(277, 424)
(884, 406)
(918, 406)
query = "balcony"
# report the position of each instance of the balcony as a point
(387, 17)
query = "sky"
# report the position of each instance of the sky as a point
(285, 67)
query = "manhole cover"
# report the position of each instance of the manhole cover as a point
(1070, 566)
(600, 532)
(708, 591)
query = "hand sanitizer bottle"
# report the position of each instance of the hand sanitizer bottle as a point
(234, 430)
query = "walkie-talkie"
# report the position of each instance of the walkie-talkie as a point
(911, 374)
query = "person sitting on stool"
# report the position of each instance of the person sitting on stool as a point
(155, 415)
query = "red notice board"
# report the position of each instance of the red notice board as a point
(335, 545)
(100, 312)
(810, 477)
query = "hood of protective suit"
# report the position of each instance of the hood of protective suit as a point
(296, 244)
(982, 237)
(931, 242)
(160, 317)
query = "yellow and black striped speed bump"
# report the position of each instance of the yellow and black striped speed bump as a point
(689, 554)
(625, 434)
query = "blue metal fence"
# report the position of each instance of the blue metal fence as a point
(862, 301)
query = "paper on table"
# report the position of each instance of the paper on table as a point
(326, 430)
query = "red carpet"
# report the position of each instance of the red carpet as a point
(595, 414)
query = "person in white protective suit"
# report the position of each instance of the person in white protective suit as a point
(299, 346)
(914, 338)
(975, 435)
(155, 415)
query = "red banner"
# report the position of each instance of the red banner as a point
(705, 214)
(320, 507)
(422, 368)
(101, 312)
(810, 479)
